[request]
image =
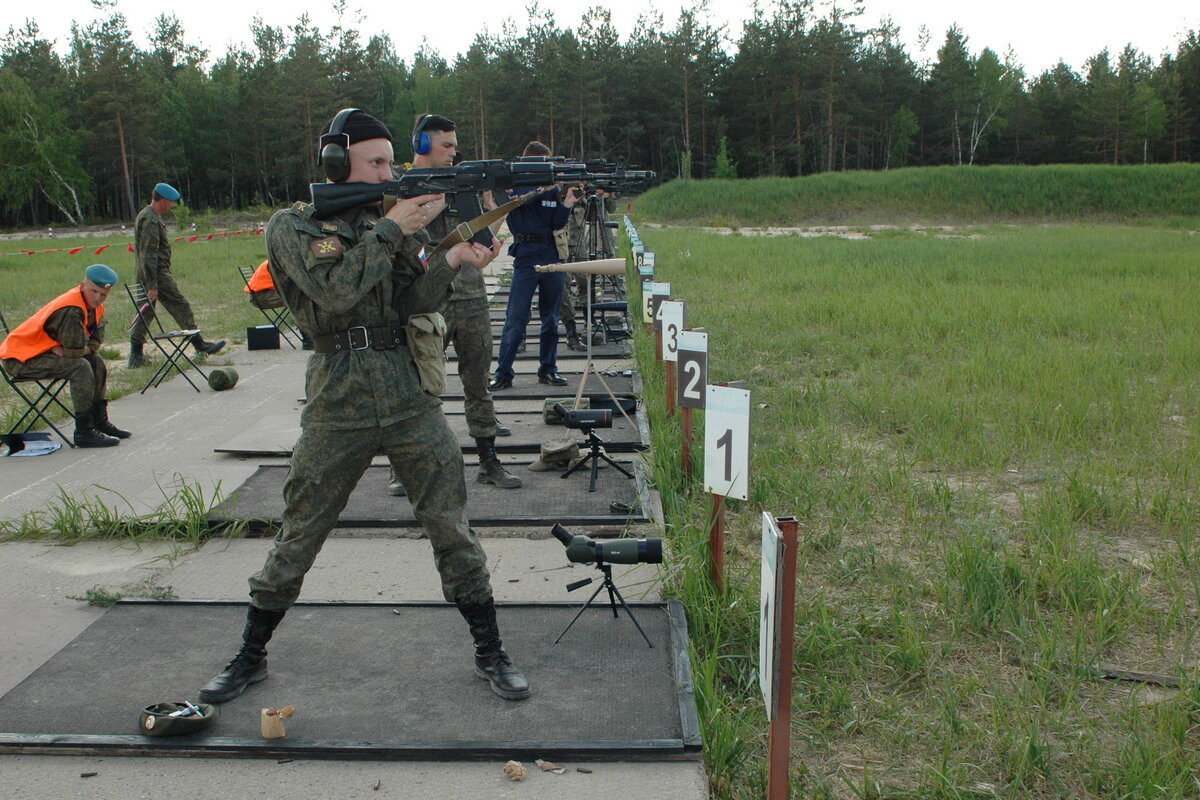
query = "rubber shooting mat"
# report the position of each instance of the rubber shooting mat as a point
(543, 499)
(276, 435)
(526, 385)
(599, 351)
(370, 681)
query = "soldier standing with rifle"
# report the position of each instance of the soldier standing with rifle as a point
(350, 281)
(468, 322)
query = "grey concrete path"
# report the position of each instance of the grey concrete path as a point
(175, 431)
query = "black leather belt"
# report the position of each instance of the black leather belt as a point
(380, 337)
(530, 238)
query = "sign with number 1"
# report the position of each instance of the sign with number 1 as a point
(727, 441)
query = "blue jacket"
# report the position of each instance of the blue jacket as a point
(541, 218)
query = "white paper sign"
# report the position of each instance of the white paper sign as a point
(727, 441)
(673, 314)
(768, 605)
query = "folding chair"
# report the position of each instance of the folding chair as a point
(46, 395)
(280, 317)
(172, 344)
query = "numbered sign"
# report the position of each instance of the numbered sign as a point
(647, 296)
(674, 320)
(727, 441)
(646, 268)
(658, 293)
(693, 369)
(768, 605)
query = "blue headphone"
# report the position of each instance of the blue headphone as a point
(420, 139)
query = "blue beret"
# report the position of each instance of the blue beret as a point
(167, 190)
(102, 275)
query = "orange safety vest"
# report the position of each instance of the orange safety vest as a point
(29, 339)
(260, 281)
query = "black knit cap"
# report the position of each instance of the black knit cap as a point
(361, 126)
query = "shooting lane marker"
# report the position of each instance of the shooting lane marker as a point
(693, 375)
(674, 320)
(726, 462)
(658, 293)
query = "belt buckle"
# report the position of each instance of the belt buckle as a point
(366, 337)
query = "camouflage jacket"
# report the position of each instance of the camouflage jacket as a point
(355, 269)
(151, 247)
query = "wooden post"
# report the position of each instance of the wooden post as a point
(658, 345)
(687, 442)
(779, 740)
(669, 366)
(716, 542)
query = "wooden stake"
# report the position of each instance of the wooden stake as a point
(716, 542)
(779, 740)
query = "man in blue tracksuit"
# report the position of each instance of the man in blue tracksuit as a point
(532, 227)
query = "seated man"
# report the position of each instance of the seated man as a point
(62, 340)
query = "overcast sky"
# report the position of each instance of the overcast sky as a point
(1040, 32)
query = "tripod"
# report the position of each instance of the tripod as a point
(614, 595)
(593, 457)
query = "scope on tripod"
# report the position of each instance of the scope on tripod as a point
(586, 550)
(585, 419)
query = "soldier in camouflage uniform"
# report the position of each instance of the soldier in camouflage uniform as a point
(575, 290)
(351, 281)
(468, 322)
(152, 252)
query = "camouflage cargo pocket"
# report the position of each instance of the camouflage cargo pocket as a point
(426, 341)
(562, 242)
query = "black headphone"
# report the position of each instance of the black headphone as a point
(334, 153)
(420, 139)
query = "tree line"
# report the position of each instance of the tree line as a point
(796, 91)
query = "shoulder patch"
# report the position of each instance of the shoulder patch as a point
(329, 246)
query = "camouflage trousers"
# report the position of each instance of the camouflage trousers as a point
(174, 302)
(574, 292)
(469, 327)
(88, 375)
(326, 466)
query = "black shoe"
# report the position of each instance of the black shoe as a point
(492, 664)
(86, 434)
(499, 382)
(249, 666)
(102, 423)
(207, 348)
(243, 671)
(395, 485)
(552, 379)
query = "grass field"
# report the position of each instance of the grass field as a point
(990, 442)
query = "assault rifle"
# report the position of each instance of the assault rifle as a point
(465, 181)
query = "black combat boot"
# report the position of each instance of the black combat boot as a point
(490, 468)
(502, 430)
(102, 423)
(574, 342)
(250, 664)
(491, 662)
(86, 434)
(207, 348)
(136, 359)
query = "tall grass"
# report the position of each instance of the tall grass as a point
(989, 443)
(957, 195)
